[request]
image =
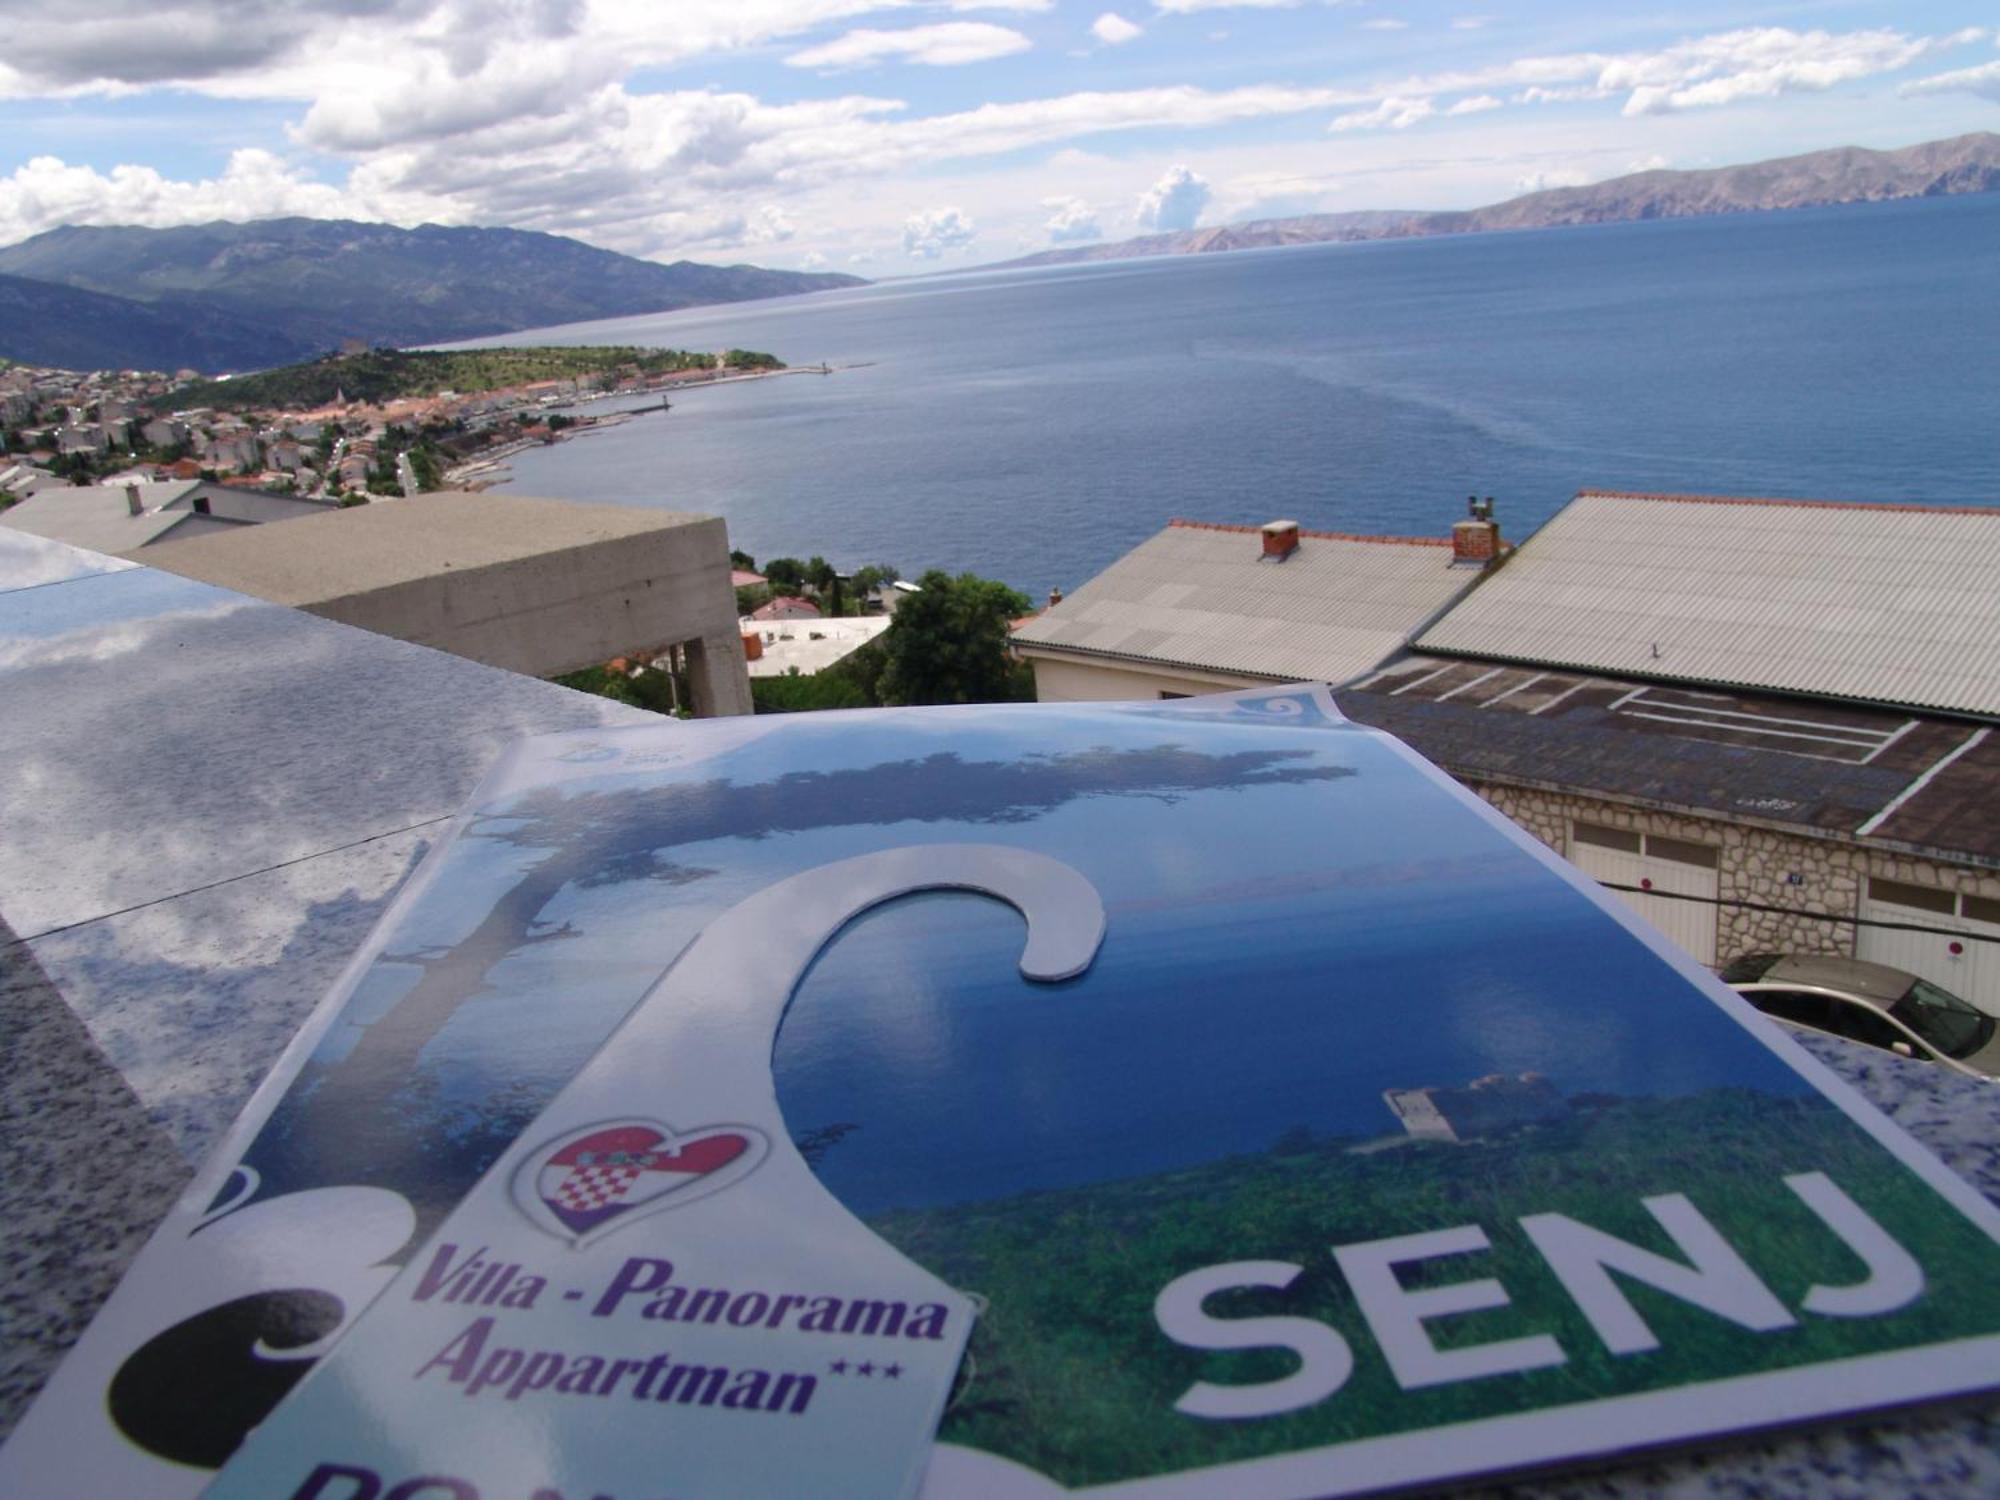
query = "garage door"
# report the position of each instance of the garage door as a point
(1969, 923)
(1656, 870)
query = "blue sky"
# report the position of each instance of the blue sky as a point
(889, 136)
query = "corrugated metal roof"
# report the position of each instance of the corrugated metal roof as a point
(1201, 596)
(1879, 603)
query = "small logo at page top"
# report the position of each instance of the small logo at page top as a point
(589, 1181)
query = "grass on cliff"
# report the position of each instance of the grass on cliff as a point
(1068, 1372)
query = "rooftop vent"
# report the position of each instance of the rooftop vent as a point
(1281, 540)
(133, 505)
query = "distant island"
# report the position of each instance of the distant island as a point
(1845, 174)
(222, 296)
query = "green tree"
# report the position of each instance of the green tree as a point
(787, 575)
(949, 643)
(825, 583)
(743, 560)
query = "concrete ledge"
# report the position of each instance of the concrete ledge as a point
(535, 586)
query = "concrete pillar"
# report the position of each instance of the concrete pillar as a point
(718, 676)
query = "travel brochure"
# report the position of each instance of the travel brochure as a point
(1198, 1098)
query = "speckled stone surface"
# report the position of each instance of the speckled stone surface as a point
(87, 1176)
(30, 562)
(162, 736)
(207, 801)
(193, 998)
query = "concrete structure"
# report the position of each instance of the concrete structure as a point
(536, 586)
(1203, 608)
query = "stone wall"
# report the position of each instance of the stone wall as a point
(1814, 883)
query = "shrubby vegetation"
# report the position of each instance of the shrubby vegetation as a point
(386, 374)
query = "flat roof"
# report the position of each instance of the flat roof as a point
(1917, 781)
(1894, 604)
(367, 547)
(99, 517)
(1201, 595)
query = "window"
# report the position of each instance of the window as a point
(1921, 897)
(1681, 851)
(1942, 1019)
(1605, 838)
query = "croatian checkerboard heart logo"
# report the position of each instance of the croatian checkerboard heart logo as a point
(597, 1178)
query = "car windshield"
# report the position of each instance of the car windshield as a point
(1750, 968)
(1942, 1019)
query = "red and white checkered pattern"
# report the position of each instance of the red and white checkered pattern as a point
(594, 1187)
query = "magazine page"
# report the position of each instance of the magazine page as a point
(1201, 1098)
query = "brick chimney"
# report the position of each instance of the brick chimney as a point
(132, 503)
(1475, 541)
(1281, 540)
(1055, 597)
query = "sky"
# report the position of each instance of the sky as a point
(885, 137)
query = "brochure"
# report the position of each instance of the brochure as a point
(1203, 1098)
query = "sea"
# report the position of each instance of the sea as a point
(1034, 425)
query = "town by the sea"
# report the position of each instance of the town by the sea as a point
(1034, 425)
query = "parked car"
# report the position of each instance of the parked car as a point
(1870, 1003)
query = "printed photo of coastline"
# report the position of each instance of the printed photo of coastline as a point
(1367, 1118)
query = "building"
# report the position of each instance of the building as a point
(1489, 1106)
(786, 607)
(780, 649)
(540, 587)
(123, 518)
(1202, 608)
(1767, 724)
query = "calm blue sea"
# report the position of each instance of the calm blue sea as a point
(1034, 425)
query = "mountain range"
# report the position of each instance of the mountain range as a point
(223, 296)
(1845, 174)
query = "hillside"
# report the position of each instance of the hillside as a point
(45, 324)
(1845, 174)
(279, 290)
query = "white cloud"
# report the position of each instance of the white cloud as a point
(1474, 105)
(1983, 80)
(1070, 220)
(950, 44)
(1653, 163)
(1470, 23)
(1113, 29)
(46, 191)
(1175, 201)
(1385, 23)
(1758, 63)
(929, 234)
(1189, 7)
(813, 260)
(1538, 182)
(527, 112)
(1393, 113)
